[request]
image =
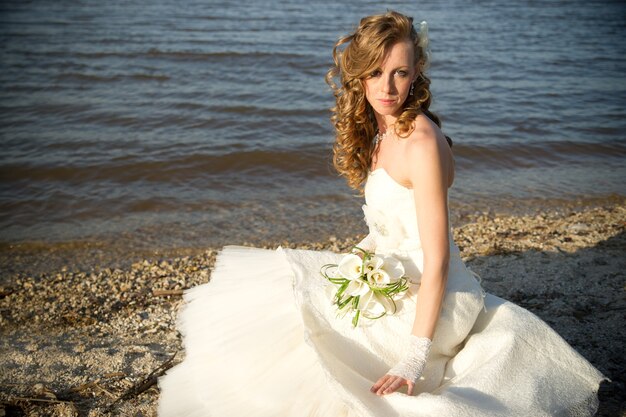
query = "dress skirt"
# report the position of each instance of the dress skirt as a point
(263, 339)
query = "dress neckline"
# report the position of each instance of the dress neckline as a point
(384, 171)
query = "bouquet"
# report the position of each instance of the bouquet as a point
(367, 285)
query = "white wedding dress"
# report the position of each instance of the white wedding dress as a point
(262, 339)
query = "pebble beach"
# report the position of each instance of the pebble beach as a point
(137, 141)
(83, 336)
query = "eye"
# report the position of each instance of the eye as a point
(374, 74)
(402, 73)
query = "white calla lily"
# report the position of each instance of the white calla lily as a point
(378, 278)
(357, 287)
(351, 267)
(365, 300)
(394, 268)
(370, 305)
(373, 263)
(388, 305)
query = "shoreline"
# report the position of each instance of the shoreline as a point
(120, 250)
(85, 335)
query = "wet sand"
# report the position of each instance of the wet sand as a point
(83, 335)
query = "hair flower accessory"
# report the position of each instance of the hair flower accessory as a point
(423, 43)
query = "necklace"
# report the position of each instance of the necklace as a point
(381, 136)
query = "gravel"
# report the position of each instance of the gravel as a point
(76, 338)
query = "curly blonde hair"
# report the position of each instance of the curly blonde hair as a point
(353, 117)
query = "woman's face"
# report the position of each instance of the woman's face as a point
(387, 87)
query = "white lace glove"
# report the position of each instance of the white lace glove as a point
(412, 366)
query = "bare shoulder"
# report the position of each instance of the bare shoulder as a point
(426, 140)
(428, 155)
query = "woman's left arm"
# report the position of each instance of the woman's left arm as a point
(428, 172)
(428, 169)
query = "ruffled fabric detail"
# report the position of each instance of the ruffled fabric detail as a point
(261, 339)
(243, 338)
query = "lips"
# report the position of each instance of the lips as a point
(386, 102)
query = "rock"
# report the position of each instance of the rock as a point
(578, 228)
(40, 390)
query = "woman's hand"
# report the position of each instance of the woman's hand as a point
(408, 370)
(391, 383)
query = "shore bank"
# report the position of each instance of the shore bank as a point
(87, 338)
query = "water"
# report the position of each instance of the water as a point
(207, 122)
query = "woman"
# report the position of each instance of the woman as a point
(385, 62)
(262, 339)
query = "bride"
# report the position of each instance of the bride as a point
(263, 338)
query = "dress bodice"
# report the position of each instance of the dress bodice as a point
(391, 217)
(390, 213)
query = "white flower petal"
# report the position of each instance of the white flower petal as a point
(357, 287)
(374, 308)
(385, 303)
(378, 261)
(378, 278)
(365, 300)
(350, 266)
(394, 268)
(372, 264)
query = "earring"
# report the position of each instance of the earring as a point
(411, 90)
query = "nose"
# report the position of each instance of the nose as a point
(388, 85)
